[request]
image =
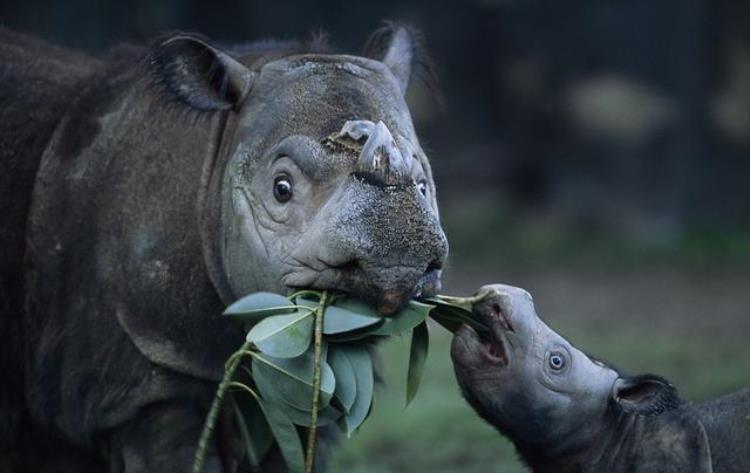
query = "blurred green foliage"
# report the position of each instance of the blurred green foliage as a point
(485, 230)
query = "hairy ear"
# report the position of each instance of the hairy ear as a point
(400, 48)
(645, 394)
(199, 74)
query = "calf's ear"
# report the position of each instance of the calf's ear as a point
(645, 394)
(200, 75)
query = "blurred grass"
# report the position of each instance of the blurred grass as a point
(439, 433)
(482, 230)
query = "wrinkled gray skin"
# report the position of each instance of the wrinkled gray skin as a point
(140, 195)
(567, 412)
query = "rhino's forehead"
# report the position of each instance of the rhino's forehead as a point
(315, 64)
(317, 94)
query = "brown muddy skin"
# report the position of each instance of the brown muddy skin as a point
(567, 412)
(137, 198)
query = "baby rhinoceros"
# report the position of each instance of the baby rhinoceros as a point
(568, 412)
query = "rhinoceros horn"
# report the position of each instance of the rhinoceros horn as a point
(380, 160)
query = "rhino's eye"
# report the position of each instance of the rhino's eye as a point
(283, 189)
(422, 186)
(556, 361)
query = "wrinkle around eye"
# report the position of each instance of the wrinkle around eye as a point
(257, 224)
(253, 203)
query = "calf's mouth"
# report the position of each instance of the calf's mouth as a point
(472, 349)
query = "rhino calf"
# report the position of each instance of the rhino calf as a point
(568, 412)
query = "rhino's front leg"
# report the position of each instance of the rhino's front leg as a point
(163, 439)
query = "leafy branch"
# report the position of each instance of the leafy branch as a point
(307, 365)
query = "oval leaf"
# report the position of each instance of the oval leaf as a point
(286, 436)
(452, 316)
(283, 336)
(361, 363)
(254, 430)
(326, 416)
(291, 379)
(259, 305)
(340, 320)
(346, 382)
(358, 307)
(283, 431)
(406, 319)
(420, 342)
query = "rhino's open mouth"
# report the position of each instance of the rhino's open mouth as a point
(472, 348)
(494, 348)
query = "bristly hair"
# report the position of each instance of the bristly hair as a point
(168, 71)
(161, 68)
(658, 401)
(318, 42)
(422, 67)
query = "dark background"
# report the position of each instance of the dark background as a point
(619, 116)
(596, 152)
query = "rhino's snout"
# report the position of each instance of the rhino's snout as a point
(384, 246)
(388, 289)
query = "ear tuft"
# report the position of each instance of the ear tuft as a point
(647, 394)
(199, 74)
(401, 48)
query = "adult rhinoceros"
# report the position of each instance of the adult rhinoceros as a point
(142, 192)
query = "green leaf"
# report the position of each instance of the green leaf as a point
(283, 336)
(290, 380)
(420, 342)
(326, 415)
(361, 363)
(346, 382)
(354, 335)
(358, 307)
(452, 316)
(254, 430)
(284, 432)
(286, 436)
(301, 301)
(340, 320)
(406, 319)
(259, 305)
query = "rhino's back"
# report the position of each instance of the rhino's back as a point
(37, 82)
(727, 423)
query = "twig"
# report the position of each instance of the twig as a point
(311, 434)
(213, 413)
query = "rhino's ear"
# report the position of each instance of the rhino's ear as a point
(199, 74)
(400, 48)
(645, 394)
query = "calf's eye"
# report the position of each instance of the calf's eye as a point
(283, 189)
(557, 361)
(422, 186)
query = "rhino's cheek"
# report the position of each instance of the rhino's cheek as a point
(251, 248)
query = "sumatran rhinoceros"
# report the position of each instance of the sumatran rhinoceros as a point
(142, 192)
(568, 412)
